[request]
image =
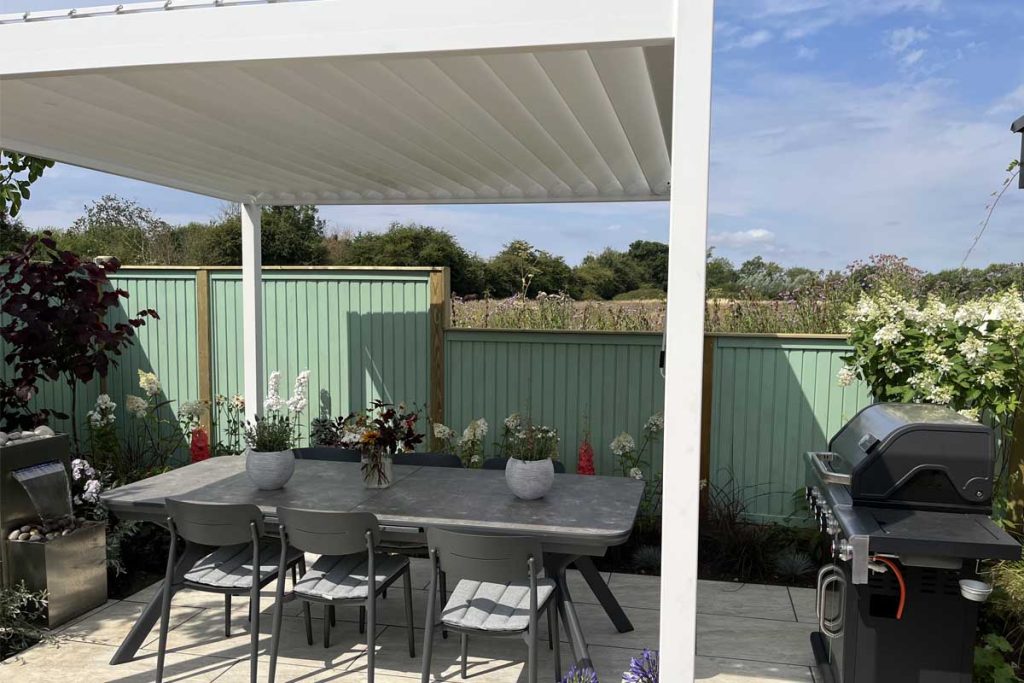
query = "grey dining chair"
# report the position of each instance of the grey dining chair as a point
(499, 463)
(240, 561)
(499, 592)
(349, 561)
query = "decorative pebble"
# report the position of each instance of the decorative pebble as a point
(43, 430)
(25, 529)
(35, 539)
(3, 438)
(14, 436)
(28, 434)
(13, 536)
(24, 537)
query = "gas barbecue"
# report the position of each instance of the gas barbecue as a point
(905, 492)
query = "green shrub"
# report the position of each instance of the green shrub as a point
(642, 294)
(990, 661)
(21, 613)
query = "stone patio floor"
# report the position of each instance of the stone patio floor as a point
(745, 633)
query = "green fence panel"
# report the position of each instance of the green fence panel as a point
(361, 334)
(772, 400)
(605, 382)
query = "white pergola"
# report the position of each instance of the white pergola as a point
(401, 102)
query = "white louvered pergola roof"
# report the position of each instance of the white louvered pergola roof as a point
(455, 102)
(402, 102)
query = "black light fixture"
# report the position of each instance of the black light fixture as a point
(1018, 127)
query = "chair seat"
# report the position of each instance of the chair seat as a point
(495, 607)
(345, 577)
(230, 567)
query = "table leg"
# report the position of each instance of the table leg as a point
(603, 594)
(555, 566)
(151, 613)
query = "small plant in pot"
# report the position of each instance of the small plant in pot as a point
(378, 433)
(270, 461)
(531, 450)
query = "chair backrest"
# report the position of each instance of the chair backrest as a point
(328, 533)
(330, 453)
(497, 559)
(428, 459)
(215, 524)
(499, 464)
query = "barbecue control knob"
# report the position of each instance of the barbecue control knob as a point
(842, 549)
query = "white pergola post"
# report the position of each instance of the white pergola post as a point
(252, 310)
(684, 330)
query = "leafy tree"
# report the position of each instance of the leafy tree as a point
(521, 268)
(412, 245)
(115, 226)
(720, 275)
(57, 306)
(290, 236)
(652, 259)
(764, 278)
(17, 173)
(607, 274)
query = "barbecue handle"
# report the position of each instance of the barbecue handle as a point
(824, 473)
(831, 628)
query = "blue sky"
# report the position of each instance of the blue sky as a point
(840, 129)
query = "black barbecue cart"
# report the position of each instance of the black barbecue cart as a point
(905, 492)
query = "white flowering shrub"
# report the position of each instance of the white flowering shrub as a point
(280, 427)
(469, 447)
(967, 356)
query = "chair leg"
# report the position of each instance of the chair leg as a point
(464, 653)
(327, 626)
(531, 655)
(227, 615)
(558, 647)
(362, 619)
(407, 587)
(371, 635)
(444, 601)
(551, 629)
(165, 617)
(254, 636)
(334, 620)
(309, 622)
(275, 634)
(428, 627)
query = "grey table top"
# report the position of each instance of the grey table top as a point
(589, 511)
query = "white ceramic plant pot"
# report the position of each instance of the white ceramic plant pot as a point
(529, 479)
(269, 470)
(372, 477)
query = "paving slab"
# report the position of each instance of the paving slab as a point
(803, 604)
(725, 670)
(757, 640)
(744, 600)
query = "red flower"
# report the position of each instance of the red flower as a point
(200, 447)
(585, 457)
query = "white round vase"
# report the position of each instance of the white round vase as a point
(269, 470)
(529, 479)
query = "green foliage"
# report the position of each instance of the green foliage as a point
(606, 274)
(17, 173)
(652, 260)
(520, 268)
(21, 614)
(523, 440)
(289, 236)
(990, 661)
(646, 559)
(720, 276)
(114, 226)
(642, 294)
(269, 433)
(411, 245)
(559, 312)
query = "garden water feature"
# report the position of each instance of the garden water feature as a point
(49, 490)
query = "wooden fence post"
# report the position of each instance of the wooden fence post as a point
(204, 344)
(440, 321)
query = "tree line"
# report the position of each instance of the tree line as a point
(296, 235)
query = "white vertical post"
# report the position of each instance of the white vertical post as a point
(684, 329)
(252, 310)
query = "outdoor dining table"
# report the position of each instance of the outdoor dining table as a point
(579, 519)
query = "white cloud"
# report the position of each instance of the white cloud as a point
(1012, 103)
(741, 238)
(901, 39)
(797, 19)
(805, 53)
(755, 39)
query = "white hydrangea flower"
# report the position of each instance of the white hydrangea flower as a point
(655, 423)
(973, 350)
(636, 473)
(443, 432)
(149, 383)
(993, 378)
(888, 335)
(136, 405)
(513, 422)
(970, 413)
(475, 431)
(847, 375)
(192, 411)
(81, 468)
(91, 494)
(623, 444)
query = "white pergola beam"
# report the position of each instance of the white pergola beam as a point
(252, 310)
(327, 28)
(684, 336)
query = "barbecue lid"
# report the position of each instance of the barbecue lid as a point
(916, 455)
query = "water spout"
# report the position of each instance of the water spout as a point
(48, 488)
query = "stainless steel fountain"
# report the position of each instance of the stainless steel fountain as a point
(66, 558)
